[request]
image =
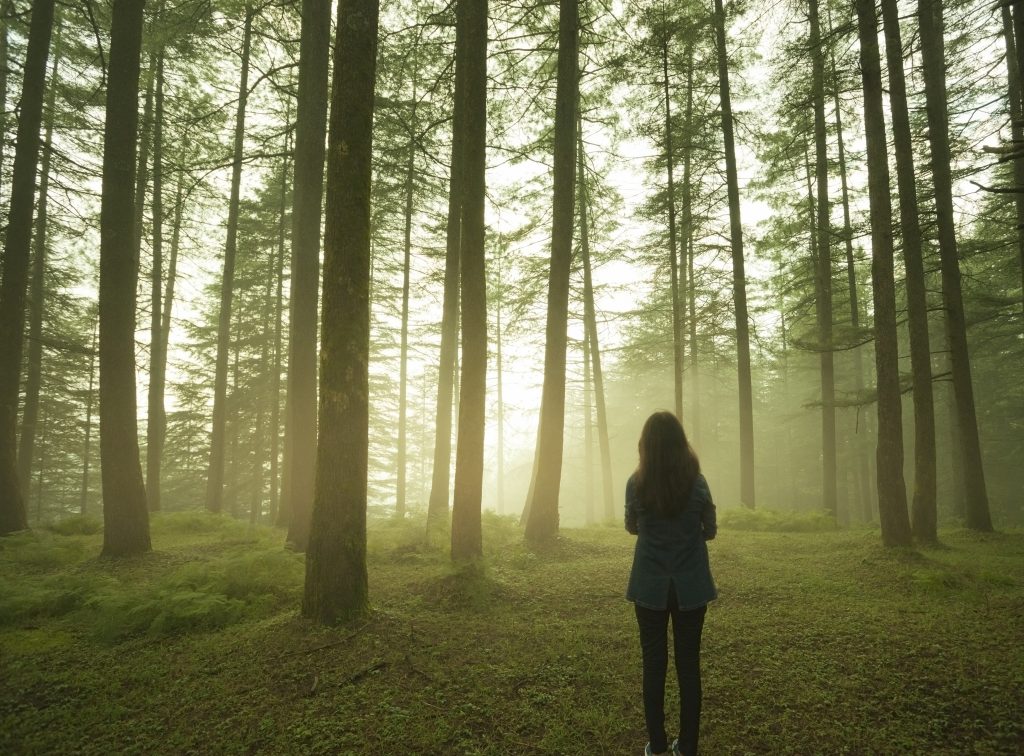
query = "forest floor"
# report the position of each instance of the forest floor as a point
(821, 643)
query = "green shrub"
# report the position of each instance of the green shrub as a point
(76, 525)
(195, 521)
(244, 575)
(29, 599)
(163, 611)
(769, 521)
(39, 550)
(200, 596)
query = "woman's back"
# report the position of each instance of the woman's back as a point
(671, 550)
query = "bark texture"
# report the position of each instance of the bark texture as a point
(892, 493)
(467, 534)
(17, 252)
(298, 475)
(336, 587)
(125, 515)
(542, 503)
(437, 507)
(746, 395)
(924, 517)
(934, 63)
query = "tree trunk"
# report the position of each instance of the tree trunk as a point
(863, 475)
(677, 332)
(83, 497)
(467, 534)
(172, 269)
(1013, 81)
(17, 253)
(437, 507)
(542, 521)
(934, 66)
(588, 435)
(892, 494)
(501, 397)
(746, 396)
(301, 405)
(215, 474)
(923, 511)
(278, 315)
(157, 421)
(590, 329)
(142, 172)
(125, 516)
(256, 502)
(37, 297)
(1018, 61)
(233, 431)
(823, 269)
(5, 12)
(403, 369)
(686, 263)
(336, 580)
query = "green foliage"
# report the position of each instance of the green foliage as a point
(201, 595)
(249, 575)
(195, 521)
(38, 550)
(28, 600)
(77, 525)
(163, 611)
(770, 521)
(531, 651)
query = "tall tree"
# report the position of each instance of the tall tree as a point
(892, 493)
(862, 472)
(823, 265)
(17, 253)
(677, 330)
(336, 581)
(403, 379)
(278, 315)
(467, 535)
(215, 474)
(542, 503)
(83, 496)
(746, 393)
(924, 517)
(298, 477)
(5, 12)
(33, 379)
(590, 330)
(437, 506)
(933, 58)
(157, 420)
(1013, 81)
(686, 261)
(125, 516)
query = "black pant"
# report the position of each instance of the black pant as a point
(686, 629)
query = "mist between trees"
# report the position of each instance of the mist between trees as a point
(498, 237)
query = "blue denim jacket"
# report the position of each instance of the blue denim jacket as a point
(671, 551)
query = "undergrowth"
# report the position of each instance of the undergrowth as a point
(771, 521)
(60, 575)
(820, 642)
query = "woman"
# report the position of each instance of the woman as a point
(669, 508)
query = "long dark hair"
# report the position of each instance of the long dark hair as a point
(668, 465)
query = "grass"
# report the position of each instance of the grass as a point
(821, 642)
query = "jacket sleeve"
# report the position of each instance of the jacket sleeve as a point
(631, 514)
(708, 517)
